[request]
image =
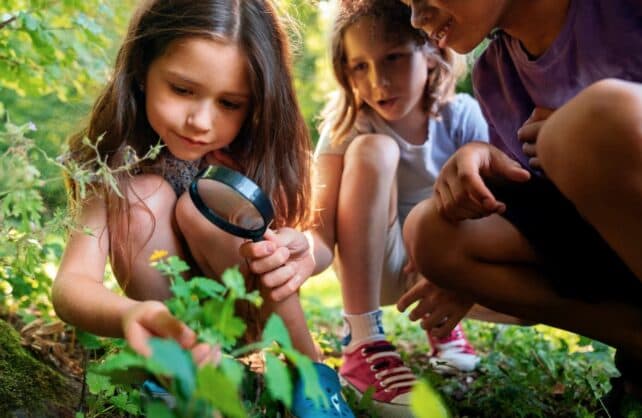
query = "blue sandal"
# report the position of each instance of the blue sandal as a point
(153, 391)
(303, 407)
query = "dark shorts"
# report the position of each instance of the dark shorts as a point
(572, 254)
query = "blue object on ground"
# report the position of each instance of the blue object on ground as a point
(303, 407)
(154, 391)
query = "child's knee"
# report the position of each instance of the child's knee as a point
(151, 200)
(191, 222)
(600, 130)
(617, 104)
(425, 237)
(375, 151)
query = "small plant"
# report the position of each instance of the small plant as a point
(229, 387)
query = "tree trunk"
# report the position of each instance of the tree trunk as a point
(30, 388)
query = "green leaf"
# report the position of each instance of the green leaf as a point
(233, 279)
(89, 341)
(181, 288)
(307, 373)
(275, 330)
(278, 380)
(123, 360)
(225, 323)
(232, 369)
(425, 402)
(176, 362)
(218, 389)
(207, 287)
(158, 410)
(99, 384)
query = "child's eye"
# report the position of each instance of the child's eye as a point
(393, 57)
(180, 90)
(230, 105)
(358, 67)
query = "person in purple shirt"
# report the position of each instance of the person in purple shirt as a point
(545, 223)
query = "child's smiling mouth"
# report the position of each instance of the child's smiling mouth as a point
(441, 33)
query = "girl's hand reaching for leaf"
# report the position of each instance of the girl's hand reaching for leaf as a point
(283, 261)
(152, 319)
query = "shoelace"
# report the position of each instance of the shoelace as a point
(387, 362)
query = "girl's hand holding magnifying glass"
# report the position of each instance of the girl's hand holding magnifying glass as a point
(283, 261)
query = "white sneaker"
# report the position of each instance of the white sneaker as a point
(453, 353)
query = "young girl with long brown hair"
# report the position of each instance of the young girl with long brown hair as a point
(211, 80)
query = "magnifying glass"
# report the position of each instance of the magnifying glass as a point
(232, 202)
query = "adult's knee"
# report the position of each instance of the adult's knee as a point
(372, 152)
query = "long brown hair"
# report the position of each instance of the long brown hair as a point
(273, 145)
(341, 111)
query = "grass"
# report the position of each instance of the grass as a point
(536, 371)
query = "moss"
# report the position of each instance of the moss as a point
(29, 388)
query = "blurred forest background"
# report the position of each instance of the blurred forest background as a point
(54, 57)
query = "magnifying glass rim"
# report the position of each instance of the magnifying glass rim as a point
(242, 185)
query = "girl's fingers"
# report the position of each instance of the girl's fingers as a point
(445, 328)
(424, 307)
(503, 166)
(152, 318)
(415, 293)
(528, 133)
(292, 286)
(137, 337)
(203, 354)
(279, 277)
(529, 149)
(252, 250)
(271, 262)
(164, 325)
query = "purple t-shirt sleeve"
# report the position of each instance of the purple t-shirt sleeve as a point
(600, 39)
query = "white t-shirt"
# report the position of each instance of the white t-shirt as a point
(461, 122)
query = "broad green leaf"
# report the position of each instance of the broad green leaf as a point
(307, 372)
(232, 369)
(176, 362)
(277, 378)
(207, 287)
(158, 410)
(98, 384)
(180, 288)
(218, 389)
(233, 279)
(275, 330)
(121, 361)
(425, 402)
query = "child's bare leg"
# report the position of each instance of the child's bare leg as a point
(151, 227)
(214, 250)
(489, 260)
(591, 148)
(367, 205)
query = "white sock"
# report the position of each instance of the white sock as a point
(361, 328)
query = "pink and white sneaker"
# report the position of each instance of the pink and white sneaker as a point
(453, 353)
(377, 364)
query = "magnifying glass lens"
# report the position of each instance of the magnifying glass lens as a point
(229, 204)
